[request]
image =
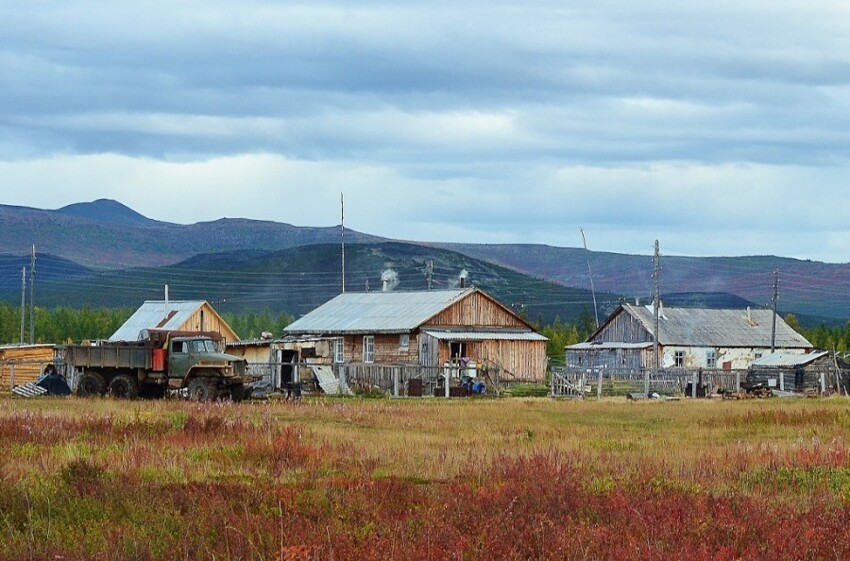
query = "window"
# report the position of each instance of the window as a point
(711, 359)
(369, 349)
(339, 351)
(679, 359)
(404, 342)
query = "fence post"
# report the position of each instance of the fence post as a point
(782, 381)
(823, 383)
(694, 382)
(395, 381)
(583, 383)
(737, 381)
(343, 381)
(599, 384)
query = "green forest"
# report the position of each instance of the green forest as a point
(65, 325)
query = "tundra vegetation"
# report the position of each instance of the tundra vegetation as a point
(424, 479)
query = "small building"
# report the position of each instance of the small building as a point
(818, 372)
(21, 364)
(428, 329)
(285, 360)
(195, 316)
(691, 338)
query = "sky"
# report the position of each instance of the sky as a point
(717, 128)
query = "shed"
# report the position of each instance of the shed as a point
(818, 372)
(21, 364)
(728, 339)
(192, 316)
(427, 329)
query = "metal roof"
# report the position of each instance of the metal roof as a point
(788, 360)
(608, 346)
(377, 312)
(704, 327)
(486, 335)
(157, 314)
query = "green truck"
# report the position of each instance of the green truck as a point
(161, 361)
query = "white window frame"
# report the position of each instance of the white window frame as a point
(679, 359)
(339, 351)
(711, 359)
(404, 342)
(369, 349)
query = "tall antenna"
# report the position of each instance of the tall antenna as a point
(656, 305)
(590, 273)
(32, 297)
(342, 233)
(775, 304)
(23, 302)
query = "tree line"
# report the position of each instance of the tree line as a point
(65, 325)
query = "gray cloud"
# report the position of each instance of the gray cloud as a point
(475, 121)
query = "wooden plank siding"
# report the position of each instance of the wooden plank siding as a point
(387, 349)
(520, 360)
(477, 310)
(27, 362)
(624, 328)
(207, 319)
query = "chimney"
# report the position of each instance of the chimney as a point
(462, 278)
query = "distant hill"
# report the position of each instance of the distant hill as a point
(109, 212)
(819, 291)
(107, 235)
(297, 280)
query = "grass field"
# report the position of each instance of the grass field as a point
(521, 478)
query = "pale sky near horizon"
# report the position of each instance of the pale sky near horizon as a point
(717, 128)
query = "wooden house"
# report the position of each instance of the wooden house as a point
(21, 364)
(688, 338)
(819, 372)
(174, 315)
(428, 329)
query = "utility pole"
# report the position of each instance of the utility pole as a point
(774, 307)
(32, 297)
(429, 272)
(23, 302)
(342, 233)
(656, 305)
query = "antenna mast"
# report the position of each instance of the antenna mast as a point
(342, 233)
(775, 304)
(656, 305)
(590, 273)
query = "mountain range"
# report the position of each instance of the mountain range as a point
(103, 253)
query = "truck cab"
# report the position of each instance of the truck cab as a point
(196, 364)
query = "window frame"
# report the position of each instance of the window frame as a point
(369, 349)
(711, 359)
(678, 359)
(339, 351)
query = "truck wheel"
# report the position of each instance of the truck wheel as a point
(202, 389)
(238, 392)
(123, 386)
(91, 384)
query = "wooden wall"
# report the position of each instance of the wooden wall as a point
(207, 319)
(624, 328)
(477, 310)
(387, 349)
(26, 363)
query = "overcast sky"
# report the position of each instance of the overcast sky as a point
(718, 128)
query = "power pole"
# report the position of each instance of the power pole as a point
(23, 302)
(774, 307)
(656, 305)
(342, 233)
(32, 297)
(429, 272)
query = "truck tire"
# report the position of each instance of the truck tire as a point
(124, 386)
(203, 389)
(91, 384)
(238, 392)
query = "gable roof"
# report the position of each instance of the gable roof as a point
(379, 312)
(704, 327)
(157, 314)
(781, 360)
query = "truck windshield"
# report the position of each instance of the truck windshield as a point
(203, 346)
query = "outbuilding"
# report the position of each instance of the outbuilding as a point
(191, 316)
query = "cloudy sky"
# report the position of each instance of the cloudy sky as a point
(718, 128)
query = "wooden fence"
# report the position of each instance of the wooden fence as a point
(605, 382)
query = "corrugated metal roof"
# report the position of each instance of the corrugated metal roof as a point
(486, 336)
(608, 346)
(787, 360)
(703, 327)
(377, 312)
(157, 314)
